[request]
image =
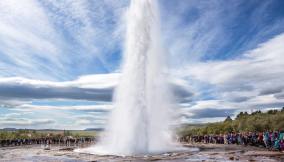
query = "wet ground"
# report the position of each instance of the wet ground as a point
(195, 153)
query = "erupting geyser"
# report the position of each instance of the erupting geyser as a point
(139, 123)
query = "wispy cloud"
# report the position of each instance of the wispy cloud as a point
(252, 81)
(53, 37)
(91, 108)
(27, 37)
(24, 122)
(196, 31)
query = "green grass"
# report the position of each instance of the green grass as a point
(28, 134)
(83, 133)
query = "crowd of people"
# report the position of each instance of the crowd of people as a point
(65, 141)
(272, 140)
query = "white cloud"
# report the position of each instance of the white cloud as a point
(259, 68)
(18, 94)
(24, 122)
(52, 37)
(193, 29)
(90, 120)
(26, 37)
(94, 26)
(254, 80)
(97, 87)
(94, 108)
(200, 30)
(251, 81)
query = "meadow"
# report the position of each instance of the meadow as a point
(34, 134)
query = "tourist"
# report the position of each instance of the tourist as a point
(266, 138)
(281, 135)
(272, 140)
(281, 144)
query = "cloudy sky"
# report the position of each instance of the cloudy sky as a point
(60, 60)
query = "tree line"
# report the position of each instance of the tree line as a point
(244, 122)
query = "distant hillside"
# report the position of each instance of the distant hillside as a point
(14, 129)
(94, 129)
(9, 129)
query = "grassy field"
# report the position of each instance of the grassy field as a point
(27, 134)
(83, 133)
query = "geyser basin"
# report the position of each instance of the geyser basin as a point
(98, 150)
(140, 121)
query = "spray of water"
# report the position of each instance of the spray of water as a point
(139, 123)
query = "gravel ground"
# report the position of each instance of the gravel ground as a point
(195, 153)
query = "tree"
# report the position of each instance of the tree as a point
(241, 114)
(256, 112)
(256, 121)
(228, 119)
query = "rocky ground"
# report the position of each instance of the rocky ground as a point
(195, 153)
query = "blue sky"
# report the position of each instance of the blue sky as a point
(60, 60)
